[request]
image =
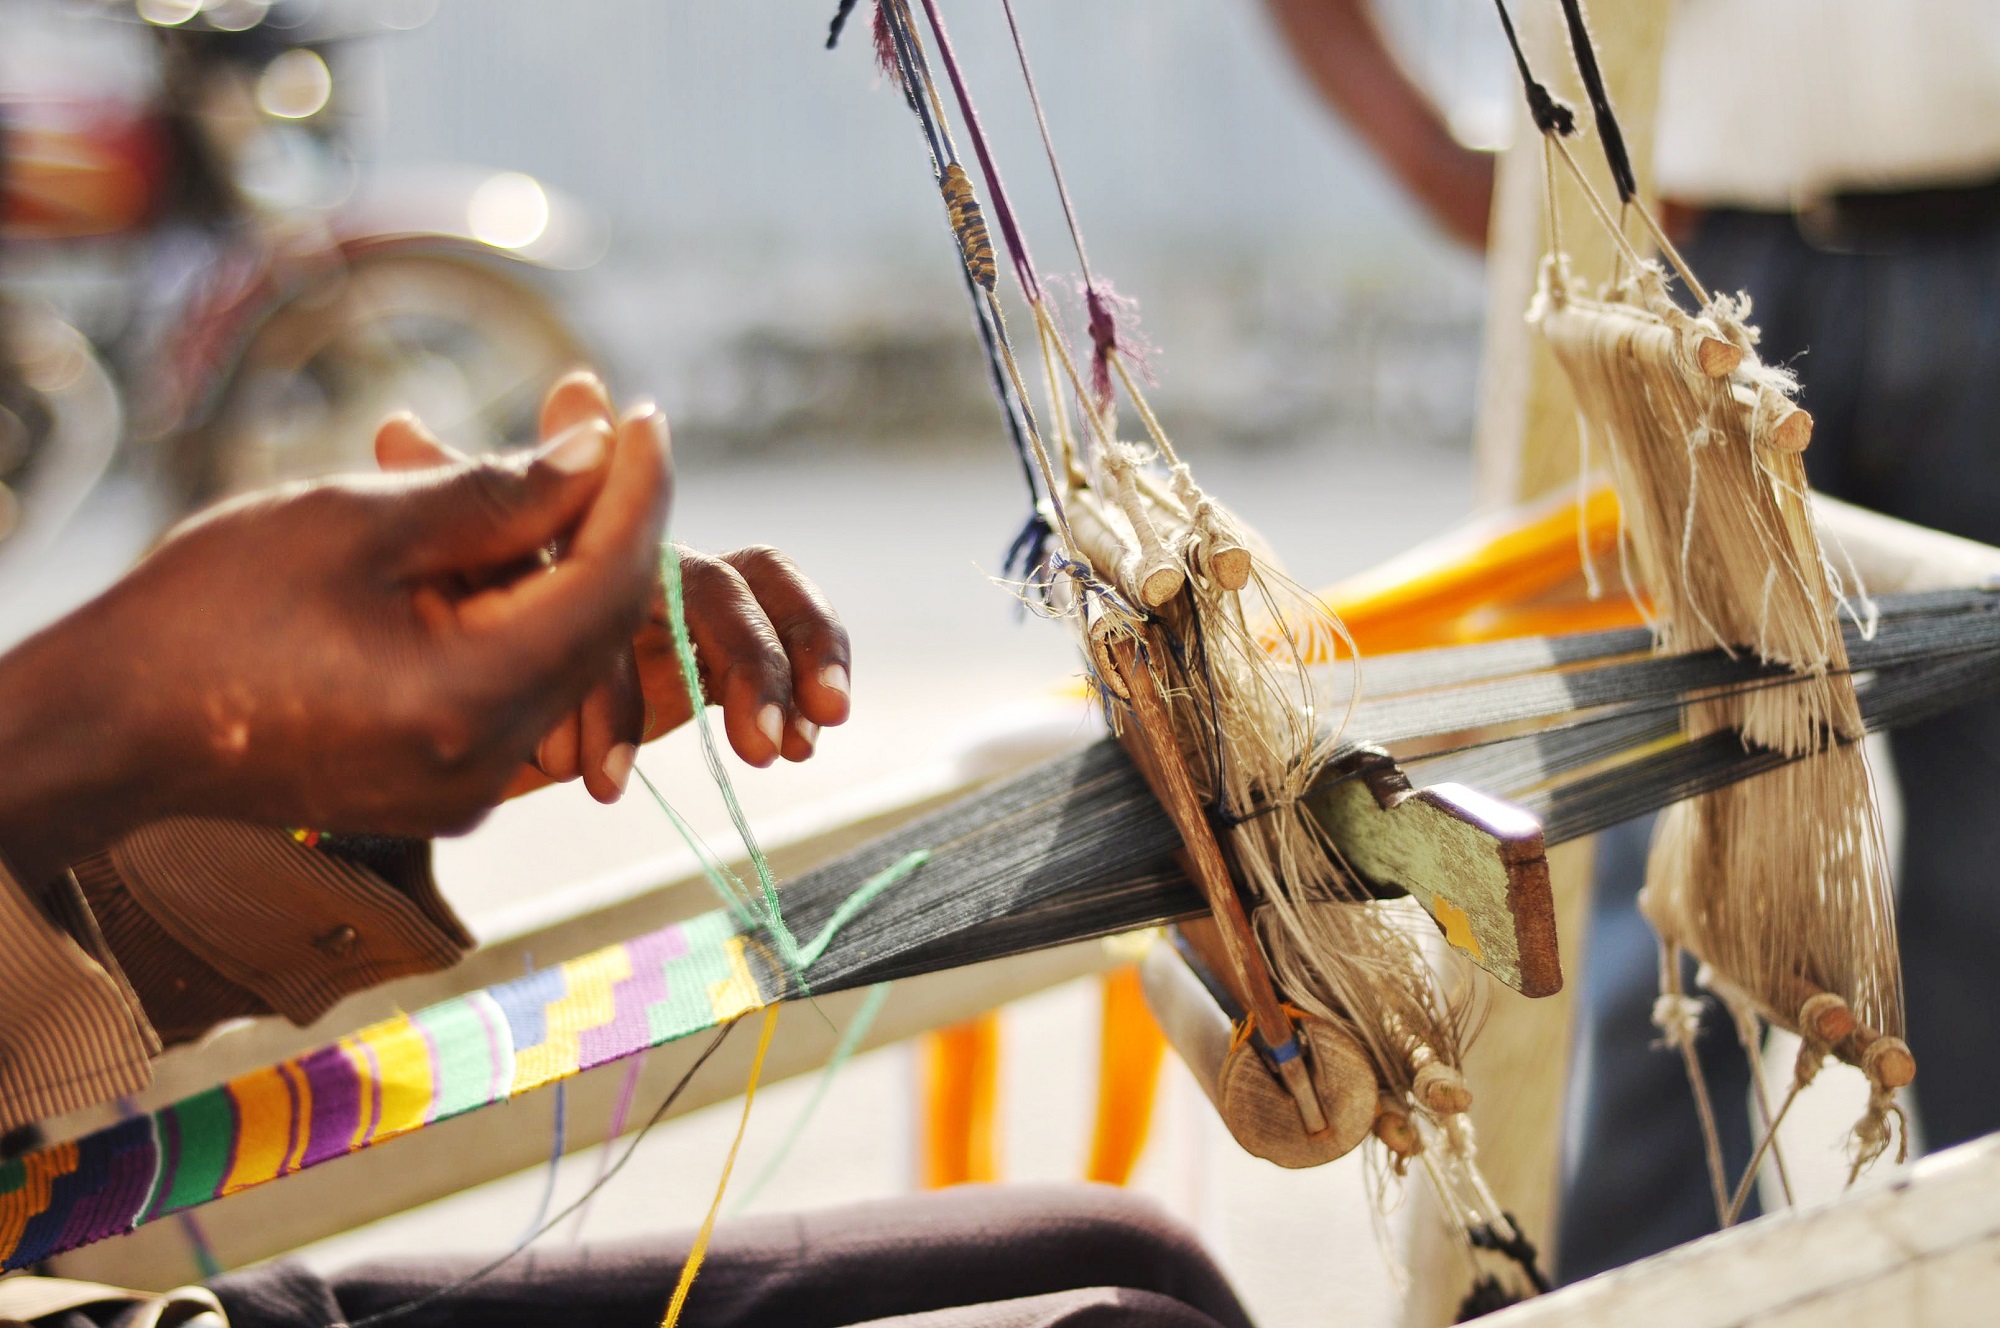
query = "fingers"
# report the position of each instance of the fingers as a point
(575, 399)
(745, 666)
(814, 641)
(489, 513)
(403, 443)
(613, 719)
(560, 752)
(561, 626)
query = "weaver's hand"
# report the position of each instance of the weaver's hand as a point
(770, 649)
(375, 654)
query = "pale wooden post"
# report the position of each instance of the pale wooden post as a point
(1525, 445)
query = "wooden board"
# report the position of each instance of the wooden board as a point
(1921, 1250)
(1477, 865)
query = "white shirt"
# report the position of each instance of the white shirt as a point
(1768, 103)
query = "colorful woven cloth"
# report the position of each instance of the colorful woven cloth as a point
(388, 1079)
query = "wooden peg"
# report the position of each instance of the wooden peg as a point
(1150, 739)
(1718, 358)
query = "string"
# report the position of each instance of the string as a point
(692, 1267)
(487, 1270)
(621, 1111)
(554, 1168)
(851, 1038)
(1010, 230)
(676, 606)
(1048, 142)
(1613, 138)
(844, 912)
(1550, 115)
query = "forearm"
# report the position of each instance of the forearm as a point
(1341, 51)
(73, 771)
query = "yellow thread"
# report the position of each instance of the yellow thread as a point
(968, 225)
(700, 1250)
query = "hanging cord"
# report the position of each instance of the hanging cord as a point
(920, 91)
(1551, 116)
(839, 23)
(1678, 1017)
(1557, 121)
(485, 1271)
(1613, 138)
(1003, 212)
(552, 1170)
(1109, 314)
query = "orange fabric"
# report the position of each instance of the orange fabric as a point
(1517, 573)
(1130, 1049)
(961, 1086)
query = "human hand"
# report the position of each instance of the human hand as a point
(355, 655)
(770, 650)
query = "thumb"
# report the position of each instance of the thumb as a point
(492, 512)
(596, 597)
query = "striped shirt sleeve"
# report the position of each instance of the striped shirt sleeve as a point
(188, 922)
(71, 1032)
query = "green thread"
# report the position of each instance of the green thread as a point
(745, 903)
(859, 900)
(772, 918)
(843, 1051)
(728, 886)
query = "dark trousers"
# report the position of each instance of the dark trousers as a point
(1899, 351)
(975, 1257)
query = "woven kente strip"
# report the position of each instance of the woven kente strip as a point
(385, 1080)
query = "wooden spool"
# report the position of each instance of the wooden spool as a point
(1255, 1105)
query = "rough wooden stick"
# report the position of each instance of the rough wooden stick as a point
(1150, 739)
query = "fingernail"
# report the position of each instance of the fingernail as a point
(578, 449)
(834, 678)
(806, 729)
(618, 764)
(771, 723)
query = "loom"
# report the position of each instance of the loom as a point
(1075, 848)
(1437, 789)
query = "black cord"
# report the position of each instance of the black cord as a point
(1550, 115)
(480, 1274)
(839, 22)
(1516, 1246)
(1585, 51)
